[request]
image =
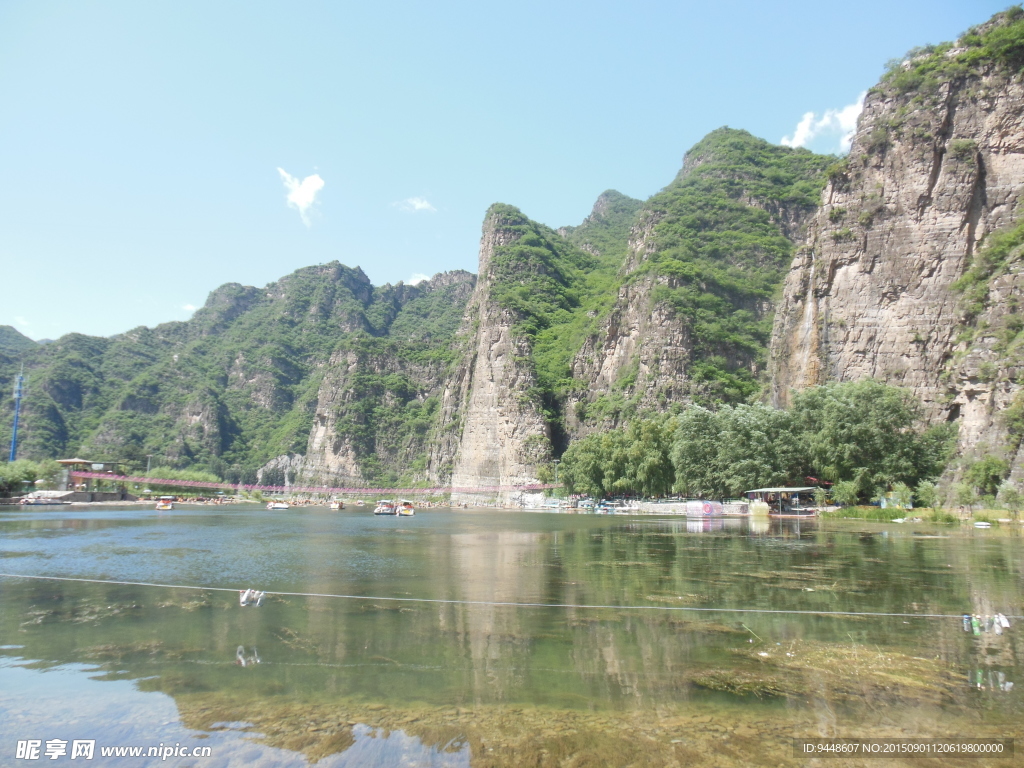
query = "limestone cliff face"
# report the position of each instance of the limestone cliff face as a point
(871, 293)
(359, 436)
(339, 443)
(642, 357)
(493, 430)
(641, 350)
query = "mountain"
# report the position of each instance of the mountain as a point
(911, 271)
(240, 383)
(691, 320)
(322, 378)
(759, 270)
(13, 341)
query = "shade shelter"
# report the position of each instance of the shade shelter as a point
(86, 465)
(787, 502)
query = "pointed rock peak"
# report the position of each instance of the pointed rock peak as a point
(502, 214)
(445, 279)
(230, 295)
(334, 270)
(611, 203)
(357, 273)
(721, 145)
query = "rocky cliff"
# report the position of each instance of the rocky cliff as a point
(879, 289)
(377, 407)
(323, 379)
(492, 428)
(691, 318)
(642, 307)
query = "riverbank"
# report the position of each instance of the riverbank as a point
(922, 515)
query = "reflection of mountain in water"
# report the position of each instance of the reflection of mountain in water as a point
(494, 567)
(318, 649)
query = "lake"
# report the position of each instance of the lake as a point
(618, 650)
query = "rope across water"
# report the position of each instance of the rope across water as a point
(506, 604)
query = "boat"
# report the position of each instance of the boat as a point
(32, 501)
(278, 505)
(615, 508)
(165, 502)
(982, 524)
(337, 504)
(406, 509)
(385, 507)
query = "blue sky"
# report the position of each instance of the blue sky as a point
(146, 147)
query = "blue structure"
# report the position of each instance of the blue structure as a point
(18, 390)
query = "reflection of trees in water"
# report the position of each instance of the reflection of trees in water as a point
(466, 653)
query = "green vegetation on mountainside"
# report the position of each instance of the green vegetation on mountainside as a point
(228, 390)
(922, 71)
(559, 287)
(605, 232)
(542, 280)
(999, 328)
(605, 236)
(926, 75)
(13, 341)
(720, 249)
(999, 253)
(390, 412)
(717, 253)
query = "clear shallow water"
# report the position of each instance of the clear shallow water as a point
(454, 684)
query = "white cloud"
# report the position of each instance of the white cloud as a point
(416, 204)
(301, 194)
(417, 278)
(189, 308)
(21, 322)
(834, 123)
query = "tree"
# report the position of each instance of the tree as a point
(902, 495)
(18, 476)
(867, 435)
(927, 494)
(845, 493)
(859, 424)
(820, 498)
(646, 466)
(868, 431)
(1011, 498)
(724, 453)
(580, 470)
(964, 494)
(756, 448)
(694, 452)
(986, 474)
(631, 460)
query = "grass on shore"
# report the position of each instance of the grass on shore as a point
(928, 515)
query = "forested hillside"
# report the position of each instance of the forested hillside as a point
(325, 378)
(231, 388)
(692, 312)
(12, 341)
